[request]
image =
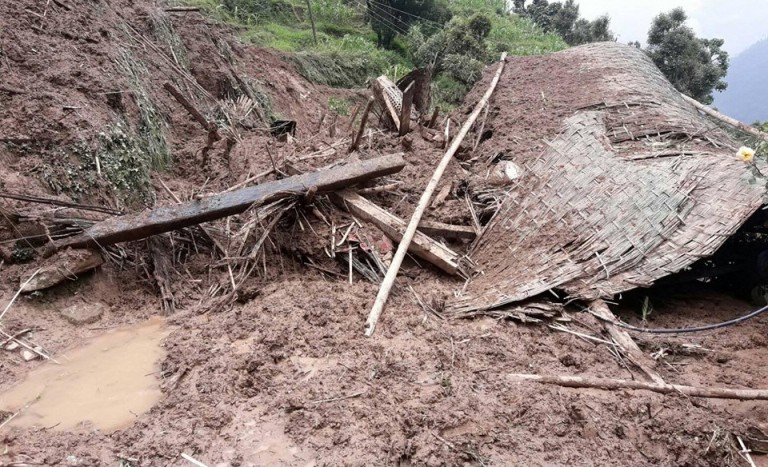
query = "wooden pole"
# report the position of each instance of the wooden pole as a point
(402, 248)
(618, 384)
(726, 119)
(432, 120)
(363, 122)
(405, 111)
(312, 20)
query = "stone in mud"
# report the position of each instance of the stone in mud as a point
(83, 313)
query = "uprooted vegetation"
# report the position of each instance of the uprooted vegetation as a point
(263, 355)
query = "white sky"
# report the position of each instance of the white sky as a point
(740, 22)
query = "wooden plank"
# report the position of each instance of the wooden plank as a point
(447, 231)
(378, 86)
(393, 227)
(165, 219)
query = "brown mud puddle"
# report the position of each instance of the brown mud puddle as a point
(107, 382)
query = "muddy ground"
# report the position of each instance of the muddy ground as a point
(279, 373)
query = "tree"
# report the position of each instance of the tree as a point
(392, 17)
(563, 19)
(695, 66)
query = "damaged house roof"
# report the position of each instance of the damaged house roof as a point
(637, 185)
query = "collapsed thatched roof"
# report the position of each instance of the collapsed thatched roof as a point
(637, 185)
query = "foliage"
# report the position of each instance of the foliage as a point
(338, 105)
(563, 19)
(695, 66)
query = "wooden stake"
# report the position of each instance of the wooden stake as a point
(363, 122)
(402, 248)
(726, 119)
(618, 384)
(405, 111)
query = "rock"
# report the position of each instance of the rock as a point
(12, 346)
(84, 313)
(28, 355)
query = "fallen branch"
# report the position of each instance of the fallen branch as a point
(618, 384)
(402, 249)
(166, 219)
(726, 119)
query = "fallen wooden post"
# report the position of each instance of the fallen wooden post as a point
(363, 121)
(393, 227)
(181, 9)
(65, 266)
(405, 111)
(624, 340)
(402, 249)
(726, 119)
(663, 388)
(432, 120)
(193, 112)
(165, 219)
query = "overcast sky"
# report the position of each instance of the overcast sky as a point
(740, 22)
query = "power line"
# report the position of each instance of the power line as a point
(374, 2)
(387, 23)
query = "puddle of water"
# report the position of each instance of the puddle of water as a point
(108, 382)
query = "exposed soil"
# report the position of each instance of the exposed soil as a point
(280, 373)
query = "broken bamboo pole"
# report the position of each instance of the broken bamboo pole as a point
(663, 388)
(363, 122)
(624, 340)
(166, 219)
(405, 111)
(193, 112)
(402, 248)
(726, 119)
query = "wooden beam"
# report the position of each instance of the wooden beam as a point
(378, 86)
(363, 121)
(726, 119)
(393, 227)
(165, 219)
(618, 384)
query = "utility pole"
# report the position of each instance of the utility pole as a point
(312, 20)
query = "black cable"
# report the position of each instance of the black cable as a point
(707, 327)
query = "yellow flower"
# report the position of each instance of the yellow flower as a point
(746, 154)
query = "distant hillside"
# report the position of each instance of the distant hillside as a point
(747, 95)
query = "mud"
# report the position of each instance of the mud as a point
(280, 373)
(106, 383)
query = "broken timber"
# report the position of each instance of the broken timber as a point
(726, 119)
(393, 227)
(166, 219)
